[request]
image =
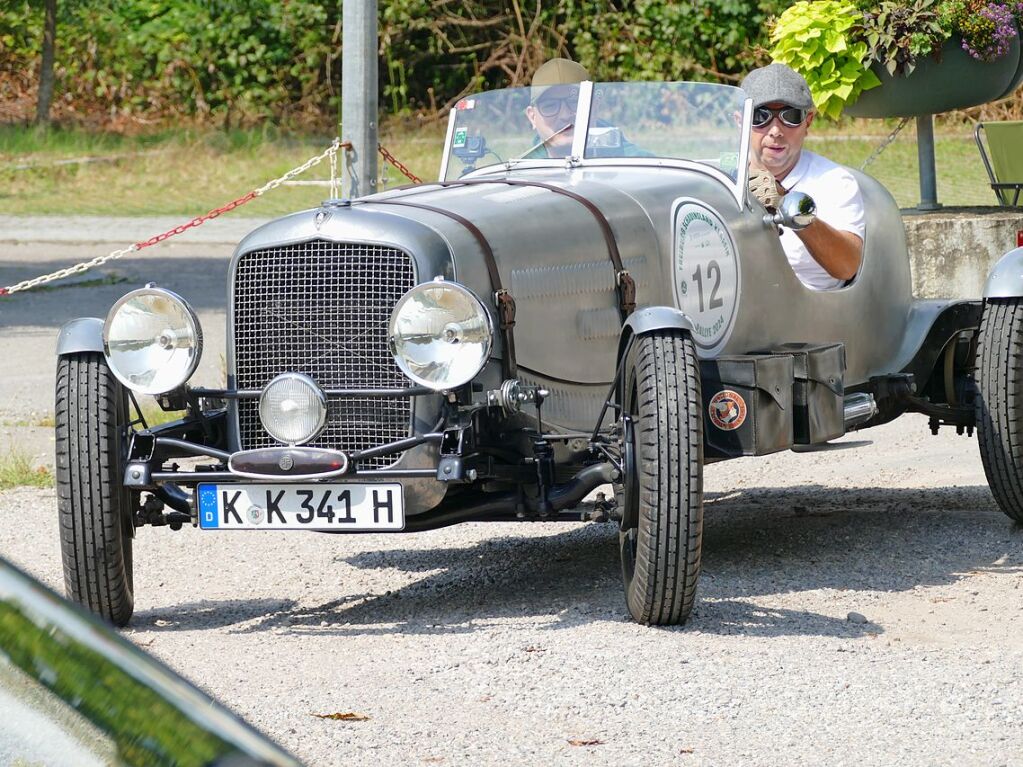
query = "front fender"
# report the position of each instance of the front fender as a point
(1006, 279)
(84, 334)
(648, 319)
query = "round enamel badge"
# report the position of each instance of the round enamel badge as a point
(727, 410)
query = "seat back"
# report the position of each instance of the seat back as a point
(1005, 165)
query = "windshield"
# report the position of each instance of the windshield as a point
(700, 122)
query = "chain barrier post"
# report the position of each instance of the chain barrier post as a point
(925, 157)
(359, 93)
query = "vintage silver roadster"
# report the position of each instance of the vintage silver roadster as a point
(500, 344)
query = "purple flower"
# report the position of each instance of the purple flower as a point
(996, 34)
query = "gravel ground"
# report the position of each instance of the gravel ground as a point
(509, 644)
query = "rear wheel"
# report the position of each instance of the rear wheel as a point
(1000, 401)
(662, 493)
(95, 509)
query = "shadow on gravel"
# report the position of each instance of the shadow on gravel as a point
(757, 542)
(208, 614)
(561, 579)
(769, 540)
(731, 616)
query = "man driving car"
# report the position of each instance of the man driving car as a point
(826, 254)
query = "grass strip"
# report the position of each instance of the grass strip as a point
(16, 470)
(187, 172)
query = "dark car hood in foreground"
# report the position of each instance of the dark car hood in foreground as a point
(74, 692)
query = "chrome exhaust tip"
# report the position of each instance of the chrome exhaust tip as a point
(858, 408)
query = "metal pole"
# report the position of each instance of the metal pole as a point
(359, 94)
(925, 159)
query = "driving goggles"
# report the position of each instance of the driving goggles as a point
(789, 116)
(549, 106)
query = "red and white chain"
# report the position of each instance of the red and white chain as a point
(330, 152)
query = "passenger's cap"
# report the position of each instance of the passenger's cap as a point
(557, 72)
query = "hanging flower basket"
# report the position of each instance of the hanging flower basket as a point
(958, 81)
(901, 58)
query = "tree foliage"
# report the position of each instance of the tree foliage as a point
(247, 61)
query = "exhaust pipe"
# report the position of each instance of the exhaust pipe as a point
(859, 408)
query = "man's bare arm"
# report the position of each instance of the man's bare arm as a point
(839, 252)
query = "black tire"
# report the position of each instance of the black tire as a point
(1000, 401)
(662, 526)
(95, 509)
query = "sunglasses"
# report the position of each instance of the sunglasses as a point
(549, 106)
(789, 116)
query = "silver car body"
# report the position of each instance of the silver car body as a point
(554, 261)
(628, 315)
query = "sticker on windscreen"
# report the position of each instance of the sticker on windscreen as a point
(706, 275)
(466, 104)
(458, 141)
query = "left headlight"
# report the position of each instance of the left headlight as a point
(440, 335)
(152, 340)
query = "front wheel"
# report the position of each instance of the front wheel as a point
(95, 509)
(662, 492)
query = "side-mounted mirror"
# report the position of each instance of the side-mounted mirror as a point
(796, 211)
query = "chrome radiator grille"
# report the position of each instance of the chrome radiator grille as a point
(321, 308)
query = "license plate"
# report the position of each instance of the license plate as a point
(301, 507)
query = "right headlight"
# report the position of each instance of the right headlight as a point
(152, 340)
(440, 335)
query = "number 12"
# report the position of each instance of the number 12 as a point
(713, 271)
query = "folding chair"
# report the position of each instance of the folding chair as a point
(1005, 167)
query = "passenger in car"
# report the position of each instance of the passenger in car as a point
(827, 253)
(554, 97)
(554, 94)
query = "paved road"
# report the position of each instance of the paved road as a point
(193, 264)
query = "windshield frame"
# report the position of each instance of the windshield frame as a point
(576, 158)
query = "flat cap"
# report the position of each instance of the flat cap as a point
(777, 83)
(557, 72)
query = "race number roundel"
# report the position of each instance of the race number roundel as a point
(706, 274)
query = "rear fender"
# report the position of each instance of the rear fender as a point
(84, 334)
(1006, 279)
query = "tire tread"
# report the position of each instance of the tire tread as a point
(670, 456)
(95, 547)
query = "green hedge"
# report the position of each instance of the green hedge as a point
(243, 62)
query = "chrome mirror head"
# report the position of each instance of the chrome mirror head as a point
(796, 211)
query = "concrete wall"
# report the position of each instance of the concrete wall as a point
(952, 250)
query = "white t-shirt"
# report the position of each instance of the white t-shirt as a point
(839, 203)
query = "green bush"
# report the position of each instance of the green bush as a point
(226, 61)
(666, 39)
(244, 62)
